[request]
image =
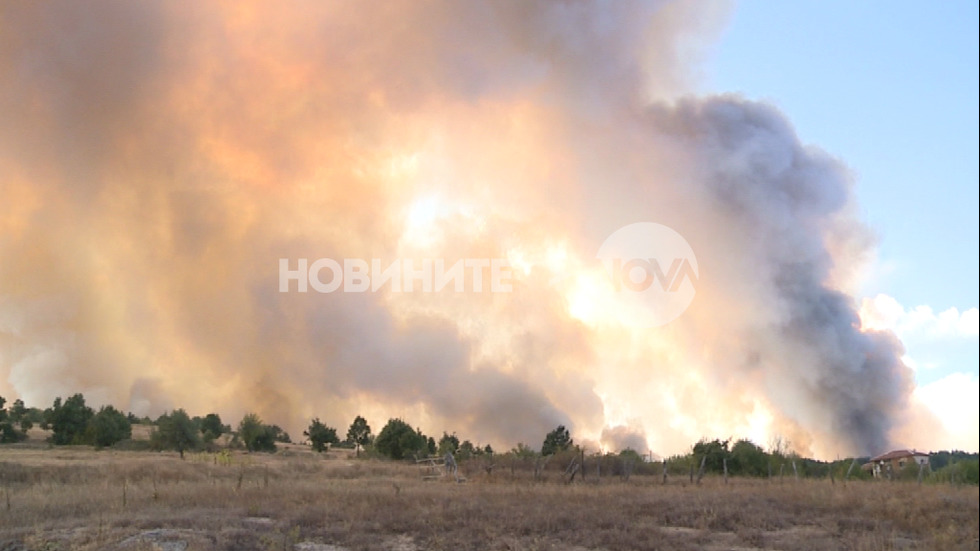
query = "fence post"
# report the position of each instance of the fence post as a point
(848, 474)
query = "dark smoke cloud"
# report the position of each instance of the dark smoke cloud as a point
(786, 203)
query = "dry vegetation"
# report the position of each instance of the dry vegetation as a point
(67, 498)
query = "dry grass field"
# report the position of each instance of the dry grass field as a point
(67, 498)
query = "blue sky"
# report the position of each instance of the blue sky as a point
(890, 88)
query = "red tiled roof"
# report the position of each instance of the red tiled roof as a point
(897, 454)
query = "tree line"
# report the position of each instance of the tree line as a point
(72, 422)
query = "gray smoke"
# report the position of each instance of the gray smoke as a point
(786, 205)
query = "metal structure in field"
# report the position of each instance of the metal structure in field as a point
(436, 467)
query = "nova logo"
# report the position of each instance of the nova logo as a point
(653, 271)
(638, 274)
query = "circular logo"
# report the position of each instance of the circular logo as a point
(653, 271)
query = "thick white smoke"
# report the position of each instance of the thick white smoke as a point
(157, 160)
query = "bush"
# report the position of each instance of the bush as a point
(960, 472)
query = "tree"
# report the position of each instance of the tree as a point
(779, 446)
(69, 420)
(256, 435)
(359, 434)
(449, 443)
(748, 459)
(176, 431)
(556, 441)
(398, 440)
(20, 415)
(523, 450)
(321, 435)
(714, 452)
(211, 427)
(279, 435)
(107, 427)
(468, 450)
(8, 428)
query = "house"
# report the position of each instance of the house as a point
(889, 464)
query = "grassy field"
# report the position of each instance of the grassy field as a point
(78, 498)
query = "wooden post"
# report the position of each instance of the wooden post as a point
(704, 458)
(724, 466)
(665, 472)
(796, 474)
(848, 474)
(628, 465)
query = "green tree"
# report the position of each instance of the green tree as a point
(256, 435)
(211, 427)
(69, 420)
(468, 450)
(19, 414)
(556, 441)
(748, 459)
(399, 440)
(8, 425)
(321, 435)
(715, 453)
(280, 435)
(176, 431)
(449, 443)
(107, 427)
(359, 434)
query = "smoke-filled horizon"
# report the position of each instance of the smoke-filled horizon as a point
(158, 160)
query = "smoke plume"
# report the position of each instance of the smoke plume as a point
(158, 159)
